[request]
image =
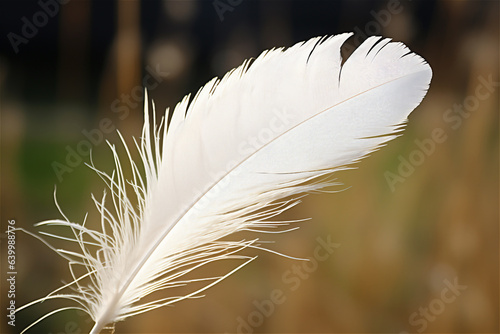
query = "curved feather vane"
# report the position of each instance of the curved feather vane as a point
(267, 131)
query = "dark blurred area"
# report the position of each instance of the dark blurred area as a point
(418, 253)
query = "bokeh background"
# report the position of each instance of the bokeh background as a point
(399, 242)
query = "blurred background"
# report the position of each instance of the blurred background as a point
(416, 228)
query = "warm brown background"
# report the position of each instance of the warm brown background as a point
(397, 248)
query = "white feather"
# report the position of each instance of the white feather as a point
(244, 142)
